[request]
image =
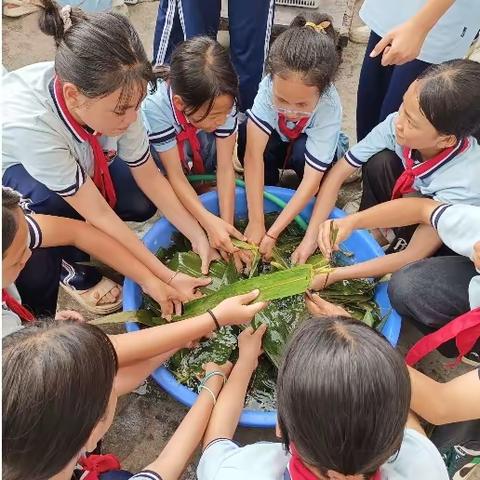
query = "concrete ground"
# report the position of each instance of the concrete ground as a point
(144, 423)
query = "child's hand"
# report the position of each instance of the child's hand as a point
(243, 260)
(305, 249)
(69, 315)
(236, 310)
(219, 232)
(250, 344)
(185, 286)
(255, 232)
(316, 305)
(326, 232)
(323, 280)
(266, 247)
(206, 253)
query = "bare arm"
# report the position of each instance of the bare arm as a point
(424, 243)
(441, 403)
(226, 177)
(254, 181)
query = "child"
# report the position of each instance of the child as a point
(73, 374)
(96, 84)
(450, 284)
(23, 234)
(294, 122)
(192, 125)
(343, 417)
(426, 147)
(406, 39)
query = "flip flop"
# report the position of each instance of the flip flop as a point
(85, 297)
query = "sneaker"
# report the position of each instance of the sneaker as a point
(472, 359)
(360, 34)
(461, 462)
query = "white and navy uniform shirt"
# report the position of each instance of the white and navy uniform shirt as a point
(458, 226)
(450, 37)
(322, 129)
(11, 322)
(38, 136)
(162, 123)
(225, 460)
(454, 180)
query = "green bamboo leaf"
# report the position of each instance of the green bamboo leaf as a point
(144, 317)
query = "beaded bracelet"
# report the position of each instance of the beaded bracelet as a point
(204, 387)
(271, 236)
(213, 374)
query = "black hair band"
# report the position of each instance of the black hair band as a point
(214, 318)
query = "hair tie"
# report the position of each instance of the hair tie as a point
(65, 13)
(320, 27)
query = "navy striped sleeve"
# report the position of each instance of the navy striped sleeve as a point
(437, 213)
(142, 160)
(352, 160)
(226, 132)
(315, 162)
(34, 232)
(80, 179)
(162, 136)
(261, 124)
(146, 475)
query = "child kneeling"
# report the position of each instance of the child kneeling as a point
(343, 396)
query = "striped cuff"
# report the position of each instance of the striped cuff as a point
(352, 160)
(226, 132)
(143, 159)
(163, 136)
(437, 213)
(35, 233)
(146, 475)
(261, 124)
(315, 162)
(80, 179)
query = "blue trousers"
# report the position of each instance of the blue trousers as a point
(38, 282)
(381, 89)
(250, 25)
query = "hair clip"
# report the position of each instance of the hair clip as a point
(320, 27)
(65, 13)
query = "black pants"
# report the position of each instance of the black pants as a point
(38, 282)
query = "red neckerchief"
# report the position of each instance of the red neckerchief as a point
(188, 133)
(291, 133)
(404, 183)
(101, 173)
(16, 307)
(298, 470)
(97, 464)
(465, 329)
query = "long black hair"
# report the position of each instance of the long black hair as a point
(343, 396)
(304, 50)
(200, 70)
(57, 381)
(99, 53)
(449, 97)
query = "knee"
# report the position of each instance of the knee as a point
(379, 162)
(140, 208)
(402, 287)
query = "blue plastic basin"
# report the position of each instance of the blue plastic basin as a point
(361, 243)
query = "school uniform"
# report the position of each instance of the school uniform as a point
(169, 128)
(223, 459)
(434, 291)
(381, 89)
(47, 157)
(316, 141)
(250, 24)
(15, 313)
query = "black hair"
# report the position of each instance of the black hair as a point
(304, 50)
(200, 70)
(343, 396)
(57, 381)
(10, 204)
(99, 53)
(449, 97)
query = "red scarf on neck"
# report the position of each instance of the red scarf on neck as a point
(16, 307)
(298, 470)
(404, 183)
(94, 465)
(465, 329)
(188, 133)
(291, 133)
(101, 173)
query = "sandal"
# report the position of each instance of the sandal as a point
(88, 298)
(19, 8)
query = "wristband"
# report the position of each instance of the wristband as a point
(214, 318)
(171, 278)
(271, 236)
(209, 375)
(203, 387)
